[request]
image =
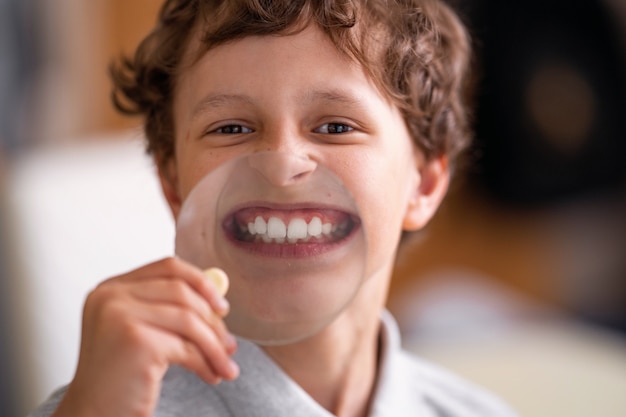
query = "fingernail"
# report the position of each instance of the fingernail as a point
(234, 369)
(223, 304)
(231, 342)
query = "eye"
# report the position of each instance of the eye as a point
(232, 130)
(334, 128)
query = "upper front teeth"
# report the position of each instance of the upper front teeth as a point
(258, 227)
(275, 229)
(297, 229)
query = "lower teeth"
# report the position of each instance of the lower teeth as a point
(266, 239)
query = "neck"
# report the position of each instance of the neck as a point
(338, 366)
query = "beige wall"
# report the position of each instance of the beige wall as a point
(82, 37)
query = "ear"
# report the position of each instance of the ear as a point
(168, 176)
(429, 189)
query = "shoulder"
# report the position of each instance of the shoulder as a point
(446, 394)
(410, 386)
(182, 394)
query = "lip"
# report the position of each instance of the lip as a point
(231, 226)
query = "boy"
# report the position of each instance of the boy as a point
(370, 89)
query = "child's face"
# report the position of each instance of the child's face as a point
(298, 94)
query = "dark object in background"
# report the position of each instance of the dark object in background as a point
(551, 114)
(551, 137)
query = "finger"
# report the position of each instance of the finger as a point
(189, 326)
(181, 352)
(187, 355)
(175, 268)
(180, 294)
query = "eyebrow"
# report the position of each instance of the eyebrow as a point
(327, 96)
(336, 96)
(214, 101)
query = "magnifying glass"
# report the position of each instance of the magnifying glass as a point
(288, 235)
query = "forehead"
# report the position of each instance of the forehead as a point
(303, 63)
(197, 46)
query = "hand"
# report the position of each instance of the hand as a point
(138, 324)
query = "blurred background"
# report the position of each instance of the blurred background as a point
(518, 284)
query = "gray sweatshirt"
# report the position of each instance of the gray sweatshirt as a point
(406, 386)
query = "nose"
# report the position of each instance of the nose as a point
(282, 169)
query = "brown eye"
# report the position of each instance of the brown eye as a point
(233, 130)
(334, 128)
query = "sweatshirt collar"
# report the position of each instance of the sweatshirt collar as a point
(264, 386)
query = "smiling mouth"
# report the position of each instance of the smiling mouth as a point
(306, 230)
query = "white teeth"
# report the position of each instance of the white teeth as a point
(315, 227)
(276, 229)
(260, 227)
(298, 229)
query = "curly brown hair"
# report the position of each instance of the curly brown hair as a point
(416, 51)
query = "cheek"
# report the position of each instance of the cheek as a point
(190, 174)
(194, 160)
(194, 164)
(382, 193)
